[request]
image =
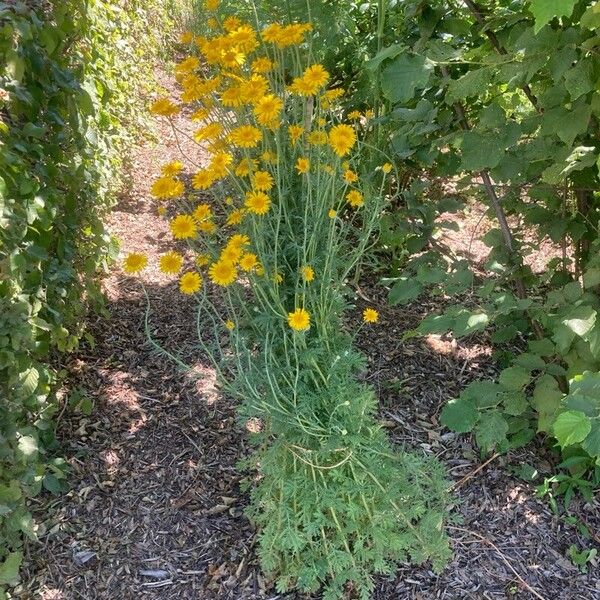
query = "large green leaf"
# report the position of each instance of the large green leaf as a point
(459, 415)
(491, 431)
(571, 427)
(545, 10)
(9, 569)
(404, 75)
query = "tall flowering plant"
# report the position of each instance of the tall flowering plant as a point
(290, 214)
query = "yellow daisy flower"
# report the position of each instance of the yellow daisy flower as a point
(308, 273)
(134, 263)
(257, 202)
(370, 315)
(183, 227)
(222, 273)
(355, 198)
(342, 138)
(170, 263)
(302, 165)
(262, 181)
(299, 320)
(190, 283)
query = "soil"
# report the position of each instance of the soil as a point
(155, 509)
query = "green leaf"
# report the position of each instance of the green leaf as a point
(514, 378)
(571, 427)
(459, 415)
(28, 382)
(491, 431)
(389, 52)
(546, 401)
(545, 10)
(515, 403)
(404, 290)
(580, 79)
(402, 77)
(472, 83)
(591, 278)
(9, 569)
(480, 151)
(468, 322)
(580, 320)
(591, 444)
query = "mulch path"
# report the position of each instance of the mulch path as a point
(155, 508)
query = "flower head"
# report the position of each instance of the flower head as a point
(262, 181)
(229, 324)
(172, 168)
(355, 198)
(164, 108)
(248, 262)
(302, 165)
(170, 263)
(257, 202)
(134, 263)
(370, 315)
(190, 282)
(183, 227)
(308, 273)
(386, 168)
(245, 136)
(299, 320)
(222, 272)
(332, 214)
(342, 138)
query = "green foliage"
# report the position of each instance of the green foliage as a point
(68, 76)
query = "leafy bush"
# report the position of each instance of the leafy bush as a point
(268, 262)
(67, 75)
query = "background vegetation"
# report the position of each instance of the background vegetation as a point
(73, 75)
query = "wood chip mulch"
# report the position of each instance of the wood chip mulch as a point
(155, 509)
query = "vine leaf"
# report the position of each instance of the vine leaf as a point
(545, 10)
(571, 427)
(491, 430)
(403, 76)
(9, 569)
(459, 415)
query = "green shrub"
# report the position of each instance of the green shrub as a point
(68, 75)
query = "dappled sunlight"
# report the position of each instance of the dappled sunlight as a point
(204, 380)
(452, 347)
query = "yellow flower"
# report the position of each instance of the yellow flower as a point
(167, 187)
(244, 37)
(231, 24)
(386, 168)
(271, 32)
(350, 176)
(354, 115)
(295, 132)
(161, 210)
(235, 217)
(370, 315)
(278, 278)
(292, 34)
(207, 227)
(134, 263)
(369, 114)
(202, 180)
(267, 109)
(341, 139)
(248, 262)
(229, 324)
(190, 282)
(211, 4)
(268, 157)
(245, 136)
(212, 23)
(330, 96)
(222, 273)
(299, 320)
(164, 108)
(228, 201)
(302, 165)
(186, 37)
(202, 212)
(172, 168)
(262, 181)
(316, 75)
(239, 240)
(183, 227)
(332, 214)
(170, 263)
(245, 167)
(187, 66)
(231, 254)
(202, 260)
(355, 198)
(208, 132)
(328, 169)
(317, 138)
(262, 65)
(232, 96)
(257, 202)
(308, 273)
